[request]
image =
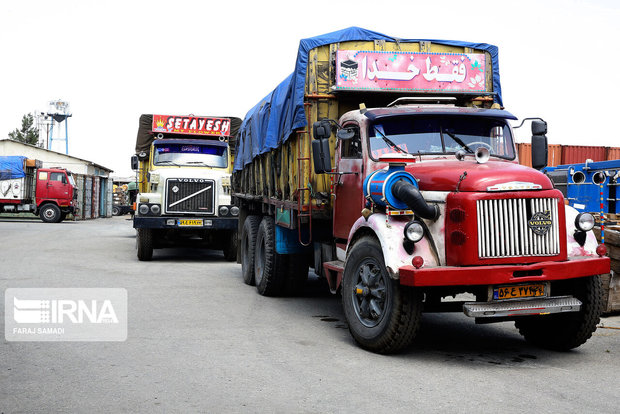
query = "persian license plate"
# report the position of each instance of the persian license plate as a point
(520, 291)
(190, 223)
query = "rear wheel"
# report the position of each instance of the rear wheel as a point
(248, 244)
(144, 244)
(116, 211)
(382, 315)
(269, 267)
(565, 331)
(50, 213)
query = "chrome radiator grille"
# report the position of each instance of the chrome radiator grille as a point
(507, 228)
(190, 195)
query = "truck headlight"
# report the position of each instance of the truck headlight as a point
(234, 210)
(143, 209)
(155, 209)
(223, 210)
(584, 221)
(414, 231)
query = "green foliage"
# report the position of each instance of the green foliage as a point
(28, 133)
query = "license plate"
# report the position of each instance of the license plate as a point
(190, 223)
(519, 291)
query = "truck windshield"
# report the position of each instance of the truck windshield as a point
(71, 180)
(435, 135)
(192, 155)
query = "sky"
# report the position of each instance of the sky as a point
(114, 60)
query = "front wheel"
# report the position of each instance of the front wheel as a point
(565, 331)
(50, 213)
(144, 244)
(382, 315)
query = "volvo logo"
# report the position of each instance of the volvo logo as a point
(175, 189)
(191, 180)
(540, 223)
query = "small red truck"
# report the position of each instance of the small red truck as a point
(25, 186)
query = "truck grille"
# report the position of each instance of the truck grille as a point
(509, 227)
(189, 195)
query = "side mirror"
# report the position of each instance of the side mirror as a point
(539, 127)
(539, 144)
(321, 156)
(134, 162)
(345, 133)
(322, 129)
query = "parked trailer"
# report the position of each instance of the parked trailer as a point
(401, 203)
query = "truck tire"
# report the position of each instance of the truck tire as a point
(116, 211)
(382, 315)
(297, 274)
(230, 246)
(248, 244)
(50, 213)
(565, 331)
(269, 267)
(144, 244)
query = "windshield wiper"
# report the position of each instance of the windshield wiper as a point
(167, 162)
(458, 140)
(199, 162)
(389, 141)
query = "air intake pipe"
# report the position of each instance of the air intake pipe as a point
(410, 195)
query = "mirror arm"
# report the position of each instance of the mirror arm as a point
(527, 119)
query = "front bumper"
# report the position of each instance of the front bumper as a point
(161, 222)
(504, 274)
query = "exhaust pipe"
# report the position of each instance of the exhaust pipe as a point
(410, 195)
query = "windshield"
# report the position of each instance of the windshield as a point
(193, 155)
(434, 135)
(71, 180)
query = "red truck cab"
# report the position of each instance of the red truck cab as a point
(55, 194)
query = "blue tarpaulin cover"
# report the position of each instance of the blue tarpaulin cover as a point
(12, 166)
(281, 112)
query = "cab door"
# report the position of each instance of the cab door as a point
(349, 200)
(53, 185)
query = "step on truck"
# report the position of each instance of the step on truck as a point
(389, 166)
(27, 187)
(183, 166)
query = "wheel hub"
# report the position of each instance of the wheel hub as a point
(368, 294)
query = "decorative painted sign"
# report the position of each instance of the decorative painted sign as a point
(410, 71)
(194, 125)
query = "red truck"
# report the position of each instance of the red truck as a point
(389, 166)
(50, 193)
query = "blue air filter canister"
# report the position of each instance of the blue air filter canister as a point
(378, 185)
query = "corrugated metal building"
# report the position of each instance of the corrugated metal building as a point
(568, 154)
(93, 180)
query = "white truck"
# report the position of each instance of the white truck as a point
(183, 165)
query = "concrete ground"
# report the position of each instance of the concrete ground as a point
(200, 340)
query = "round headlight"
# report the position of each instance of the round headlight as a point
(223, 210)
(143, 209)
(155, 209)
(584, 221)
(234, 211)
(414, 231)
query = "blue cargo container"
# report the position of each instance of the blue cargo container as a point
(582, 185)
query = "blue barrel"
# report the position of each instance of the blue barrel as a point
(378, 185)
